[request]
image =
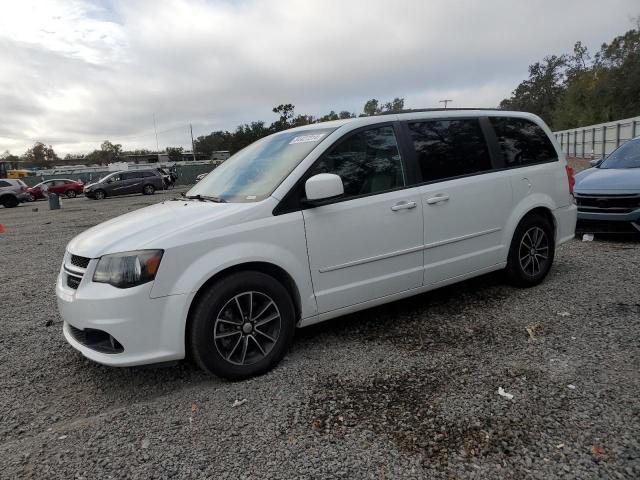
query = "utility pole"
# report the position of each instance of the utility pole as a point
(446, 102)
(155, 129)
(193, 148)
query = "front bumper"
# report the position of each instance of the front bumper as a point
(613, 222)
(149, 330)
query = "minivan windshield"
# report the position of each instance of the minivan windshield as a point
(253, 173)
(627, 156)
(105, 177)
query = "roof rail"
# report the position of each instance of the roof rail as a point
(415, 110)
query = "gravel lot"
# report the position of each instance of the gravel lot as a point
(407, 390)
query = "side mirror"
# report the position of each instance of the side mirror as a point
(323, 187)
(596, 163)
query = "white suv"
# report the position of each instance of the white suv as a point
(312, 223)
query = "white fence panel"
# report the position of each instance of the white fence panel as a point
(596, 141)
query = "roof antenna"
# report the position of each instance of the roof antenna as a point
(446, 102)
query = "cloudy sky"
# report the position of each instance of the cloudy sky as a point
(73, 72)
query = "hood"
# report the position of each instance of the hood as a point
(153, 226)
(603, 180)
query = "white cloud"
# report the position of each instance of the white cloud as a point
(74, 72)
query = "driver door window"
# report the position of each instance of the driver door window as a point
(367, 162)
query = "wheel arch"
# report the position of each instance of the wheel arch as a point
(545, 212)
(267, 268)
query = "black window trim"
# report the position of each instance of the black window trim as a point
(493, 138)
(290, 205)
(408, 157)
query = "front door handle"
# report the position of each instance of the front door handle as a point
(441, 197)
(404, 206)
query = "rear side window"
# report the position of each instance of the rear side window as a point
(522, 142)
(4, 184)
(449, 148)
(367, 162)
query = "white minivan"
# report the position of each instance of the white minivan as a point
(312, 223)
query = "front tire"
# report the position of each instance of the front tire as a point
(99, 194)
(531, 252)
(148, 190)
(71, 194)
(10, 202)
(242, 326)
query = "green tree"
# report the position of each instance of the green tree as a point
(174, 153)
(371, 107)
(40, 155)
(395, 105)
(286, 112)
(8, 157)
(541, 92)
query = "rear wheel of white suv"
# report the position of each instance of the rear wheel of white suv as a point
(242, 326)
(532, 251)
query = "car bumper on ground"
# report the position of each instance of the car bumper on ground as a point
(121, 327)
(23, 197)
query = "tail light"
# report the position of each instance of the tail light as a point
(570, 178)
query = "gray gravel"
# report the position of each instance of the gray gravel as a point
(405, 390)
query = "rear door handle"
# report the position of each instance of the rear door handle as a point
(404, 206)
(441, 197)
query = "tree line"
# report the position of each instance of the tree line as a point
(583, 88)
(248, 133)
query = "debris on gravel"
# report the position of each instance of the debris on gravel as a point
(406, 390)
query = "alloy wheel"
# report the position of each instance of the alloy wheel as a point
(534, 251)
(247, 327)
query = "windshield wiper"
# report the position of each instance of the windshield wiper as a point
(205, 198)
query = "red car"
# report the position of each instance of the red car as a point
(62, 186)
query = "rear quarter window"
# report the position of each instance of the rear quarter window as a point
(522, 142)
(4, 184)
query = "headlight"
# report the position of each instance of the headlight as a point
(128, 269)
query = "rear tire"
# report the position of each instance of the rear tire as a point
(242, 326)
(531, 252)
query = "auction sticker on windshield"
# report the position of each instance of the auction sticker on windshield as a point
(307, 138)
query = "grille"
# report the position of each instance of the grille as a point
(96, 340)
(608, 203)
(73, 282)
(81, 262)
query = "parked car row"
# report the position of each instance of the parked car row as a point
(15, 191)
